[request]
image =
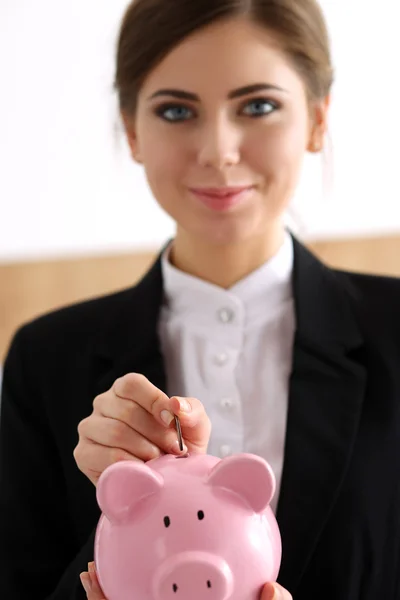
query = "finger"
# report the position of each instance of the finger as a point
(274, 591)
(142, 440)
(91, 585)
(195, 424)
(136, 419)
(96, 589)
(86, 583)
(138, 388)
(92, 459)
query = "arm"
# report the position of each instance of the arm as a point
(39, 558)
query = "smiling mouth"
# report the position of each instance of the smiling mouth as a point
(222, 199)
(220, 192)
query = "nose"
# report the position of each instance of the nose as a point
(193, 576)
(220, 147)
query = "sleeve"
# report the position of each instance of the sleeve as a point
(39, 558)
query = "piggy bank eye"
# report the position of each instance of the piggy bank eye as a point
(167, 521)
(200, 515)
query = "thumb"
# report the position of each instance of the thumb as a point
(274, 591)
(195, 424)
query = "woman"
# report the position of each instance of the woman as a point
(236, 324)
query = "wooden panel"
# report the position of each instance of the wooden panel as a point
(380, 256)
(30, 289)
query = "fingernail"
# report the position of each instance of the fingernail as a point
(184, 405)
(270, 592)
(91, 567)
(177, 449)
(87, 586)
(166, 417)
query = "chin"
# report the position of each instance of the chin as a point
(224, 234)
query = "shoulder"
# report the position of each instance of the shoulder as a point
(372, 297)
(73, 325)
(372, 288)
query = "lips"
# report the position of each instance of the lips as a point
(222, 199)
(221, 192)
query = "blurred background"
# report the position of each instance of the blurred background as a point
(77, 217)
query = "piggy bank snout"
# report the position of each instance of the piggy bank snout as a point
(194, 575)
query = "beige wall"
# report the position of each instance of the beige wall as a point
(30, 289)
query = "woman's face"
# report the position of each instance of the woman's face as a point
(206, 131)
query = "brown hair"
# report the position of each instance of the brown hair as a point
(152, 28)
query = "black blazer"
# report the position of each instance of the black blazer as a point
(339, 508)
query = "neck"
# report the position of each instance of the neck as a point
(224, 265)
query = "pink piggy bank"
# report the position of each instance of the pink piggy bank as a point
(187, 528)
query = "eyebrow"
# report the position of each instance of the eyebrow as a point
(244, 91)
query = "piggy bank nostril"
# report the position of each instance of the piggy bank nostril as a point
(208, 583)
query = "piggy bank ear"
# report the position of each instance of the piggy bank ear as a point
(247, 475)
(123, 485)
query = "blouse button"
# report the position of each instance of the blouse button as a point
(221, 359)
(227, 403)
(226, 315)
(225, 451)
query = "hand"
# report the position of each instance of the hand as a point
(91, 585)
(134, 421)
(271, 591)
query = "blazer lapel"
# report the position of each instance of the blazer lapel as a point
(326, 393)
(129, 342)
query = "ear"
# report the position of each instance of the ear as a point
(131, 136)
(122, 485)
(319, 111)
(247, 475)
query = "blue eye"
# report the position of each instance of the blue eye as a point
(262, 107)
(173, 112)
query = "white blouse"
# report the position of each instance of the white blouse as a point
(232, 349)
